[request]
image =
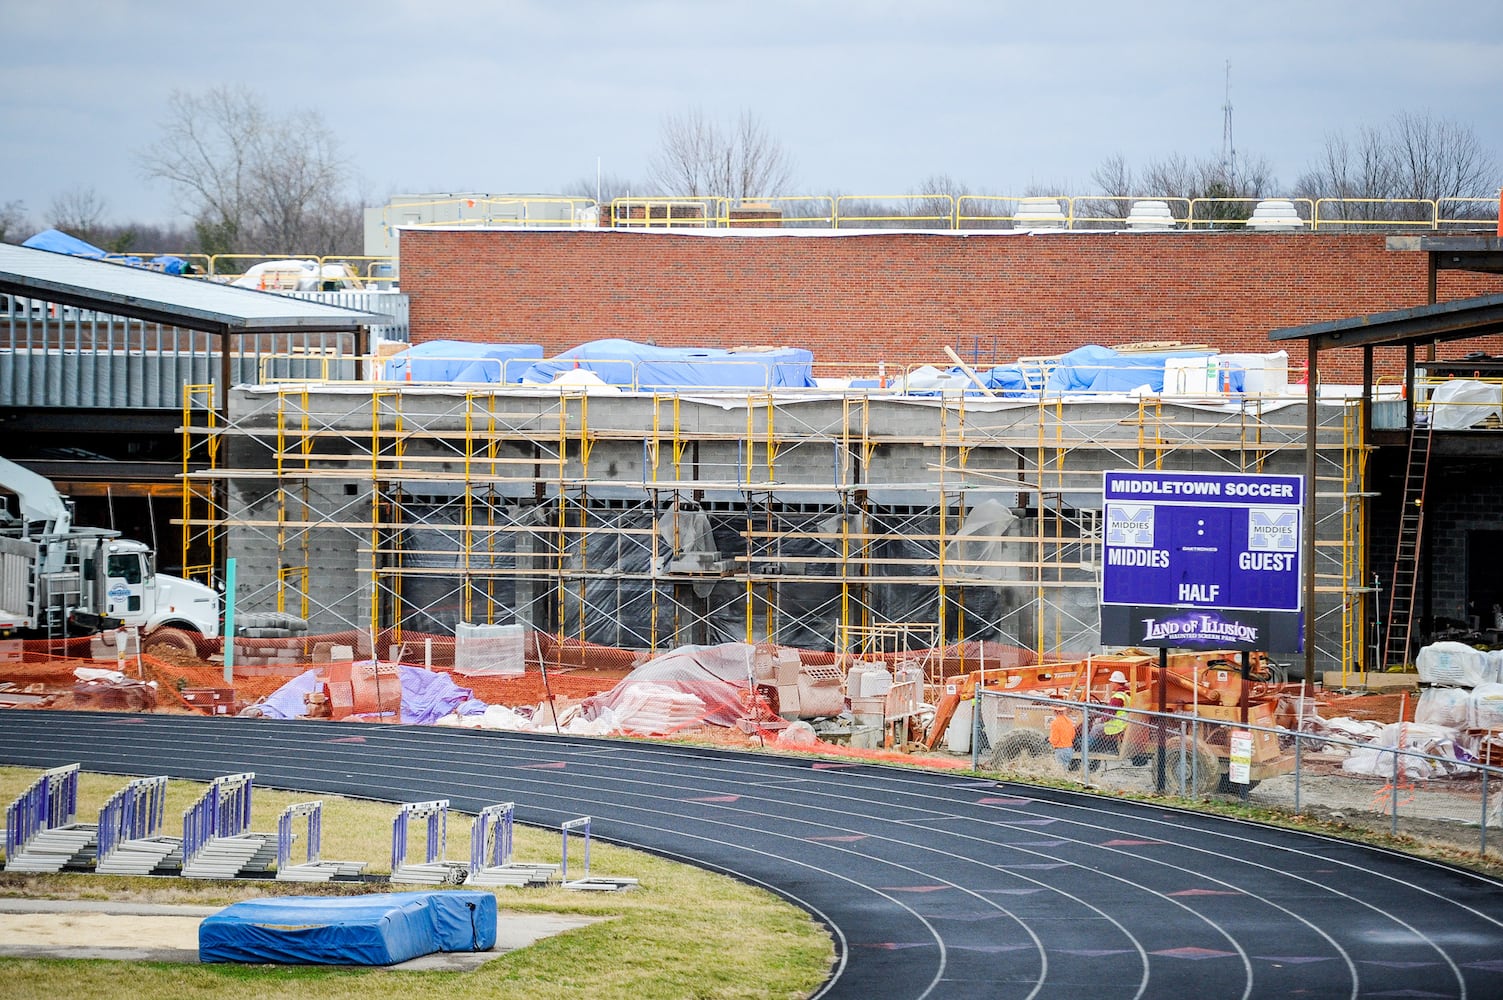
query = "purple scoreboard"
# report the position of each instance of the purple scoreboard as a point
(1197, 559)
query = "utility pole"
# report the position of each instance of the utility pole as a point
(1228, 150)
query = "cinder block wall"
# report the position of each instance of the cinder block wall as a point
(901, 297)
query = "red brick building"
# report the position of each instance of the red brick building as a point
(856, 298)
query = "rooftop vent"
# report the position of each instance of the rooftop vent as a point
(1040, 213)
(1150, 214)
(1275, 215)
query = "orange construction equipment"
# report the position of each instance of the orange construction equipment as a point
(1206, 683)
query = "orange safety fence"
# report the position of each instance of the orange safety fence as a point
(568, 680)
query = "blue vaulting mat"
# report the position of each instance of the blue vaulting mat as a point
(378, 929)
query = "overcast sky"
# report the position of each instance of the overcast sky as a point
(524, 96)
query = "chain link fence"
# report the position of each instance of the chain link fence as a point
(1437, 786)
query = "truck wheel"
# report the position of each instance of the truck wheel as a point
(1016, 744)
(170, 639)
(1206, 772)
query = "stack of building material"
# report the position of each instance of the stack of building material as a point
(648, 709)
(868, 685)
(489, 650)
(819, 692)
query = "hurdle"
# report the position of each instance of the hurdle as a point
(217, 839)
(41, 832)
(130, 831)
(434, 869)
(587, 882)
(312, 868)
(491, 861)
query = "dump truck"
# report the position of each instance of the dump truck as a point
(59, 579)
(1205, 686)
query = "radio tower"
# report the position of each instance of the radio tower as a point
(1228, 150)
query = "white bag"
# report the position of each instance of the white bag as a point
(1453, 663)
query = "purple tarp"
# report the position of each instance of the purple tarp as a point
(427, 696)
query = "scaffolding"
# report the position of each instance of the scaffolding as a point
(645, 521)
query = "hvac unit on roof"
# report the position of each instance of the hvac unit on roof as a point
(1150, 214)
(1275, 215)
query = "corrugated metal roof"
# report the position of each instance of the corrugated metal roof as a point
(187, 302)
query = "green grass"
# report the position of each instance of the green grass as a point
(683, 933)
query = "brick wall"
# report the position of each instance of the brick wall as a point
(901, 297)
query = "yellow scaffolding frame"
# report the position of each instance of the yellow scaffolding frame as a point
(503, 450)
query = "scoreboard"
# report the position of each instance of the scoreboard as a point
(1202, 559)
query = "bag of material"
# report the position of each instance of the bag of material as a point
(1487, 706)
(1444, 706)
(1452, 663)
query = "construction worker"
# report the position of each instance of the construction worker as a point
(1106, 735)
(1062, 732)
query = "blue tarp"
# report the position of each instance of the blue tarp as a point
(56, 241)
(626, 363)
(427, 696)
(378, 929)
(1014, 380)
(1101, 369)
(461, 361)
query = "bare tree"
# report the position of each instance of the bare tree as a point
(698, 158)
(1413, 156)
(79, 212)
(1435, 158)
(14, 226)
(1206, 180)
(936, 199)
(603, 189)
(253, 182)
(1114, 177)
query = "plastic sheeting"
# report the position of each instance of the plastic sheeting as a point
(57, 241)
(378, 929)
(718, 676)
(462, 361)
(1100, 369)
(644, 366)
(1462, 403)
(427, 696)
(1377, 761)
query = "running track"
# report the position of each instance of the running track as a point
(933, 885)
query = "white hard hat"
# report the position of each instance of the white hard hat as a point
(1117, 677)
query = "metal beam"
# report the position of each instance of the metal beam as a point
(1459, 320)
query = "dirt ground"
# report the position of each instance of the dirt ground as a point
(99, 930)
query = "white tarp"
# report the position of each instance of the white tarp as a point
(1462, 403)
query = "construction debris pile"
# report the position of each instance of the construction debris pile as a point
(506, 678)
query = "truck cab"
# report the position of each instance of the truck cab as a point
(133, 592)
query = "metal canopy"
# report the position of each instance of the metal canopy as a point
(1454, 251)
(191, 303)
(1458, 320)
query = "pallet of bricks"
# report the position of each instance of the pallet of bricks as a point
(270, 643)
